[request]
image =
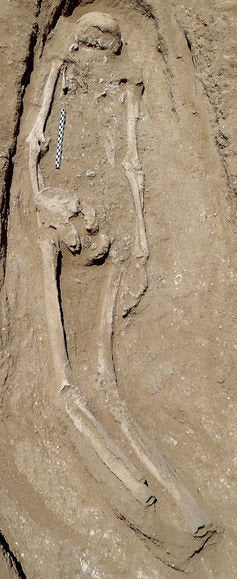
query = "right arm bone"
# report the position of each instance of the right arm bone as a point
(38, 128)
(36, 138)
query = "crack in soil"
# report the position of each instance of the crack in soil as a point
(8, 553)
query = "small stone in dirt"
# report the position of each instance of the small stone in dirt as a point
(90, 174)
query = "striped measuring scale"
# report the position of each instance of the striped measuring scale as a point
(62, 120)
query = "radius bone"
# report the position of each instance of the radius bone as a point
(133, 169)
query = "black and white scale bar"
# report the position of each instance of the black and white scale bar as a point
(59, 149)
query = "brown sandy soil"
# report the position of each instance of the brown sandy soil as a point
(63, 514)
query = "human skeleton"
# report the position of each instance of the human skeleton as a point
(55, 208)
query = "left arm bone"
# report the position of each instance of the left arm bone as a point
(133, 168)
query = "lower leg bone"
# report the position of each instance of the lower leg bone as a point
(107, 450)
(160, 468)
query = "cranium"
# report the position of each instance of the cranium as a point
(98, 30)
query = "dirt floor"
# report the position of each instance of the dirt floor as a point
(64, 513)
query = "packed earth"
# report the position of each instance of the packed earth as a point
(118, 277)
